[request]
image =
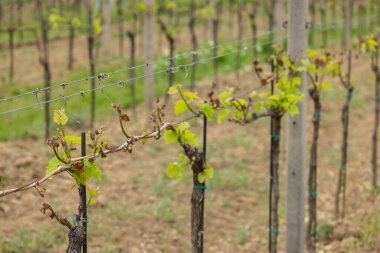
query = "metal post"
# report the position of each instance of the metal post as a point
(204, 183)
(84, 197)
(296, 133)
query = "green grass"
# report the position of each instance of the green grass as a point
(29, 123)
(78, 108)
(24, 241)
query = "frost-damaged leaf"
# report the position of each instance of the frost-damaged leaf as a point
(180, 107)
(207, 110)
(223, 114)
(91, 170)
(73, 139)
(170, 136)
(174, 89)
(60, 117)
(53, 164)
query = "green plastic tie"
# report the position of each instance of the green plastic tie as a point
(203, 187)
(318, 114)
(274, 231)
(275, 136)
(343, 166)
(313, 194)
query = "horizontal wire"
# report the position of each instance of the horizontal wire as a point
(64, 84)
(189, 53)
(121, 82)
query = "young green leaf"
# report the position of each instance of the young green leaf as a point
(170, 136)
(72, 139)
(207, 173)
(174, 89)
(207, 110)
(223, 114)
(175, 170)
(190, 95)
(180, 107)
(52, 165)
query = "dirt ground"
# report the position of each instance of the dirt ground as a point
(140, 210)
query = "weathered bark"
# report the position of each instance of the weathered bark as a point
(252, 18)
(340, 207)
(194, 43)
(171, 41)
(347, 8)
(11, 53)
(61, 7)
(313, 15)
(239, 38)
(274, 194)
(270, 14)
(76, 239)
(121, 27)
(197, 199)
(215, 38)
(372, 9)
(322, 10)
(334, 12)
(1, 14)
(313, 173)
(44, 60)
(362, 21)
(71, 47)
(20, 21)
(278, 22)
(90, 47)
(106, 31)
(375, 131)
(132, 39)
(378, 14)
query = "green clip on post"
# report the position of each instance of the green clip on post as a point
(274, 231)
(204, 187)
(318, 114)
(343, 166)
(275, 136)
(313, 194)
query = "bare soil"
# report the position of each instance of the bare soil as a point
(141, 210)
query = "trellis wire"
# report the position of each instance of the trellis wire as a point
(121, 82)
(176, 68)
(189, 53)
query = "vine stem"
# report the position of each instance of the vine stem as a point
(64, 168)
